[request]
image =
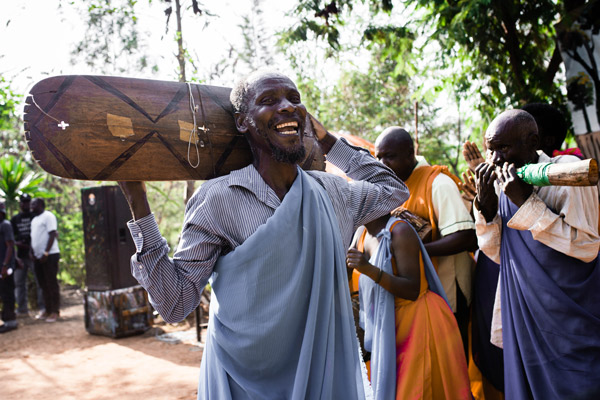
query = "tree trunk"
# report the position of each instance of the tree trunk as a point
(180, 50)
(189, 185)
(588, 126)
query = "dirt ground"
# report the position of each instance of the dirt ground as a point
(60, 360)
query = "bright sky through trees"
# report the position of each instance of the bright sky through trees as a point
(38, 37)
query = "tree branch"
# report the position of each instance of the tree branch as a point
(554, 64)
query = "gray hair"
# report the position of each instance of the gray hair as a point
(241, 91)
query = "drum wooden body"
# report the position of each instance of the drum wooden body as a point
(115, 128)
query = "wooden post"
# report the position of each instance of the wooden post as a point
(416, 127)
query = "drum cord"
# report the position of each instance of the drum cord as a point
(204, 128)
(61, 124)
(194, 132)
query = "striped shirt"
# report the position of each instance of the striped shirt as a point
(225, 211)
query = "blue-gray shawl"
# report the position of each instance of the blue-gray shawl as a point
(550, 318)
(281, 322)
(378, 316)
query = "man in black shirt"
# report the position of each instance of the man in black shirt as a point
(21, 224)
(7, 283)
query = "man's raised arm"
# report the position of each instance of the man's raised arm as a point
(375, 191)
(174, 287)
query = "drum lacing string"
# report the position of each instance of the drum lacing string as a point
(204, 128)
(193, 133)
(61, 124)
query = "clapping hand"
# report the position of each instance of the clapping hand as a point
(356, 260)
(472, 155)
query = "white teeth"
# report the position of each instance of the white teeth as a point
(288, 133)
(293, 123)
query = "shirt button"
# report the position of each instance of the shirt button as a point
(139, 234)
(140, 266)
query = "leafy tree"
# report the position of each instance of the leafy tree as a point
(504, 51)
(365, 100)
(15, 179)
(254, 53)
(580, 92)
(72, 254)
(362, 103)
(111, 43)
(577, 37)
(11, 140)
(8, 104)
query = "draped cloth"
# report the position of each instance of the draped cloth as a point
(377, 315)
(550, 318)
(486, 356)
(281, 324)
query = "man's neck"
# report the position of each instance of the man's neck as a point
(278, 175)
(375, 226)
(411, 170)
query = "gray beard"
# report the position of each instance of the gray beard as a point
(288, 156)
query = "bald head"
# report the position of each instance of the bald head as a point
(518, 120)
(512, 137)
(395, 148)
(395, 135)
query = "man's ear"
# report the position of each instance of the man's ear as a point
(533, 140)
(241, 122)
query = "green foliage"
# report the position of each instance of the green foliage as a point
(8, 104)
(72, 249)
(15, 179)
(168, 204)
(67, 209)
(580, 91)
(576, 38)
(366, 100)
(255, 51)
(493, 54)
(505, 47)
(112, 42)
(362, 103)
(11, 140)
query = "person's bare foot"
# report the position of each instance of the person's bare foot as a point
(472, 155)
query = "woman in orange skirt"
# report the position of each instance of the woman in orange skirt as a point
(415, 344)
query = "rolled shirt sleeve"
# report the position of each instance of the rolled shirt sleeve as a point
(375, 190)
(572, 231)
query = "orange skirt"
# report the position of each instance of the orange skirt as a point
(430, 359)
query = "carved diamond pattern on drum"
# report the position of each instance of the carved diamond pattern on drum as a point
(74, 172)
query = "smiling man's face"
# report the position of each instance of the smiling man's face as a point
(275, 118)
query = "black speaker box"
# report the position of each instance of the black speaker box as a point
(108, 243)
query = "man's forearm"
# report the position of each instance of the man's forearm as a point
(574, 234)
(51, 238)
(327, 142)
(488, 235)
(174, 285)
(135, 194)
(454, 243)
(9, 252)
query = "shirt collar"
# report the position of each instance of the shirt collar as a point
(249, 178)
(543, 157)
(421, 162)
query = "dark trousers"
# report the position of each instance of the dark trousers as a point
(46, 273)
(462, 318)
(7, 293)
